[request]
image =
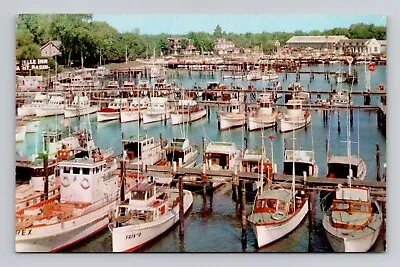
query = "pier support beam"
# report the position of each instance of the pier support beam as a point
(181, 211)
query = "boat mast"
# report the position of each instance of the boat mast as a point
(293, 177)
(262, 161)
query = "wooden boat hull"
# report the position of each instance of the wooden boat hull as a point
(107, 116)
(266, 234)
(54, 237)
(342, 240)
(255, 123)
(227, 122)
(183, 118)
(127, 116)
(132, 237)
(50, 111)
(293, 124)
(71, 112)
(155, 117)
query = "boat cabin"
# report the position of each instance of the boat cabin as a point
(339, 166)
(251, 162)
(351, 208)
(119, 103)
(304, 161)
(221, 155)
(135, 148)
(178, 150)
(33, 170)
(86, 180)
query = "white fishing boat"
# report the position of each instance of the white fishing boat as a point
(146, 215)
(295, 117)
(187, 111)
(255, 161)
(341, 98)
(221, 156)
(135, 110)
(157, 111)
(338, 167)
(265, 116)
(89, 191)
(277, 212)
(232, 117)
(304, 161)
(40, 100)
(80, 106)
(55, 106)
(254, 75)
(112, 112)
(30, 175)
(144, 150)
(353, 222)
(180, 150)
(269, 75)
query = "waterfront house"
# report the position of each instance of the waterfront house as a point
(175, 44)
(358, 46)
(51, 48)
(191, 50)
(325, 43)
(224, 47)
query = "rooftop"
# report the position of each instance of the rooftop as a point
(316, 39)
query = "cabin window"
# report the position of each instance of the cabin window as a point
(342, 206)
(138, 195)
(271, 203)
(75, 170)
(281, 206)
(85, 171)
(360, 207)
(27, 203)
(34, 201)
(150, 193)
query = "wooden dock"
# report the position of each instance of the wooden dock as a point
(378, 188)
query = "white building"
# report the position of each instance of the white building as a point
(51, 49)
(359, 46)
(316, 42)
(223, 47)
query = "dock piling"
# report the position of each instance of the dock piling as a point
(243, 212)
(181, 212)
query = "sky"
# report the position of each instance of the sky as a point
(236, 23)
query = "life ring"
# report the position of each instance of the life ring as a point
(85, 183)
(65, 182)
(372, 66)
(278, 216)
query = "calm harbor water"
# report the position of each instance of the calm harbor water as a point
(213, 225)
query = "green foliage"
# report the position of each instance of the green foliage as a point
(184, 43)
(82, 37)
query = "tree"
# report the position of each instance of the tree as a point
(184, 43)
(218, 32)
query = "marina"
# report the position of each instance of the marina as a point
(273, 155)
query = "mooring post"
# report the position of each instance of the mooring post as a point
(351, 117)
(46, 176)
(181, 212)
(243, 211)
(338, 123)
(378, 163)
